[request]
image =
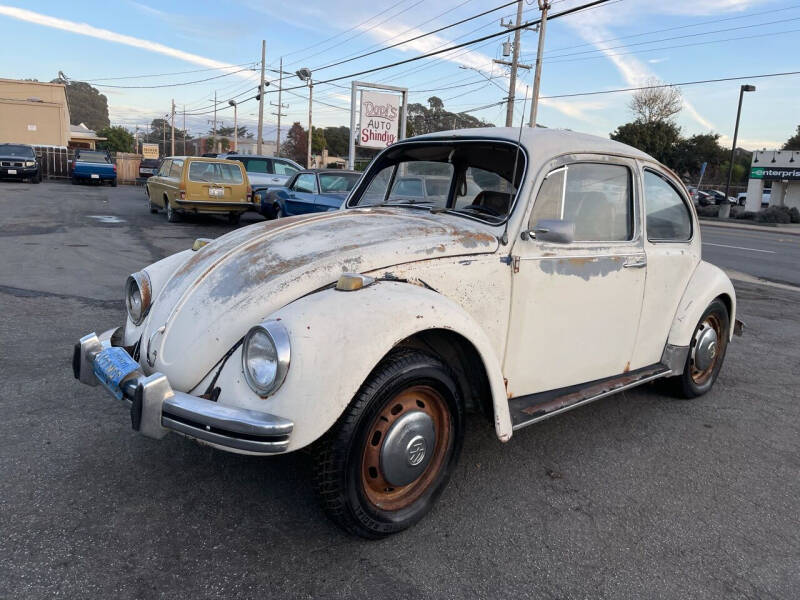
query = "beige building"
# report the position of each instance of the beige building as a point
(34, 113)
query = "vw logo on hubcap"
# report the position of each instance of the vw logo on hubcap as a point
(415, 451)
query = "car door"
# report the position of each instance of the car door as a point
(302, 195)
(673, 252)
(155, 184)
(575, 306)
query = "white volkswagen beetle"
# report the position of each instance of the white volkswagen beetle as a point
(557, 269)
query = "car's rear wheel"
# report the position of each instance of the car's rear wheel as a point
(172, 214)
(706, 352)
(388, 458)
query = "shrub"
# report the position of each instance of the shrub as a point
(736, 210)
(794, 214)
(708, 211)
(774, 214)
(747, 215)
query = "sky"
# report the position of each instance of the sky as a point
(193, 49)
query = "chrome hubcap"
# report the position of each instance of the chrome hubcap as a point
(705, 350)
(408, 448)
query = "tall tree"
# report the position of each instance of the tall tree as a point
(793, 143)
(657, 103)
(338, 140)
(434, 117)
(296, 144)
(658, 139)
(318, 141)
(118, 139)
(86, 104)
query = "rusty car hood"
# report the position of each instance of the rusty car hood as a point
(238, 280)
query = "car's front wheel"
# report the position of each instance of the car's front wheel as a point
(382, 466)
(706, 352)
(172, 214)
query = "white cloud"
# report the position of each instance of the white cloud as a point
(655, 61)
(118, 38)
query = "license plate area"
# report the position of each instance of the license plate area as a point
(12, 171)
(216, 192)
(111, 366)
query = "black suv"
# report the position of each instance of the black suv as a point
(18, 161)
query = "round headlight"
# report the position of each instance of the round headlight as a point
(138, 296)
(265, 357)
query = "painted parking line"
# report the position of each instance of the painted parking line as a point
(739, 248)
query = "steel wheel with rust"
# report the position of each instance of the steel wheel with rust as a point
(706, 351)
(387, 459)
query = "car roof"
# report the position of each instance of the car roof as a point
(542, 143)
(202, 159)
(334, 171)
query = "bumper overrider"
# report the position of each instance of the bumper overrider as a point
(156, 409)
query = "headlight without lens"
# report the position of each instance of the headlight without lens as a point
(138, 296)
(265, 357)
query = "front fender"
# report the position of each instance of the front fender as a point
(707, 282)
(337, 338)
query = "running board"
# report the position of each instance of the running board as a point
(527, 410)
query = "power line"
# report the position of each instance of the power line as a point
(384, 48)
(167, 85)
(166, 74)
(665, 85)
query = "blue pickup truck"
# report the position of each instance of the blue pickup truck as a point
(93, 166)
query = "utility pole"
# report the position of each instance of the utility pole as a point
(184, 130)
(214, 135)
(742, 90)
(261, 98)
(235, 124)
(172, 114)
(544, 6)
(514, 64)
(164, 135)
(310, 136)
(280, 108)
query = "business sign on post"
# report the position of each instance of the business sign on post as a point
(380, 115)
(775, 174)
(150, 150)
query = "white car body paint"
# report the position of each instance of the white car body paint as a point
(205, 301)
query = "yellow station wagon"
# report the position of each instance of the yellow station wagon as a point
(191, 184)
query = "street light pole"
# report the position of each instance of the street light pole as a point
(261, 99)
(305, 75)
(742, 90)
(235, 125)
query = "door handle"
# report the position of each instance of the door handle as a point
(635, 262)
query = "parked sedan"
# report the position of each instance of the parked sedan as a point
(18, 161)
(266, 171)
(309, 191)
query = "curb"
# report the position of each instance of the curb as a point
(747, 227)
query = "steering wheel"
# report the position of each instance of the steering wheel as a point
(485, 209)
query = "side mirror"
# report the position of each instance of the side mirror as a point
(556, 231)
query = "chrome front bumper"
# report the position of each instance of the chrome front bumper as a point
(157, 409)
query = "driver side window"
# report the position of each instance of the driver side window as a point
(596, 197)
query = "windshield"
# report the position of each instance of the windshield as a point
(92, 157)
(16, 150)
(330, 183)
(212, 172)
(471, 178)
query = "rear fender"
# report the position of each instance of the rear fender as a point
(707, 283)
(337, 339)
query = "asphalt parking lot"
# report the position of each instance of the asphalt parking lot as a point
(637, 496)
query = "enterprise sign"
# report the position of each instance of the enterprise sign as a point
(775, 174)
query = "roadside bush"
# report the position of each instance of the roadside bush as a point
(708, 211)
(736, 210)
(774, 214)
(747, 215)
(794, 214)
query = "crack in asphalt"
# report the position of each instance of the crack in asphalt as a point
(25, 293)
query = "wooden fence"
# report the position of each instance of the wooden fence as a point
(56, 161)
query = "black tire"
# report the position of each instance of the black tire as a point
(153, 208)
(693, 382)
(38, 178)
(172, 214)
(113, 183)
(74, 181)
(234, 217)
(278, 211)
(341, 456)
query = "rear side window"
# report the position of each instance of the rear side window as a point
(255, 165)
(212, 172)
(668, 217)
(176, 169)
(596, 197)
